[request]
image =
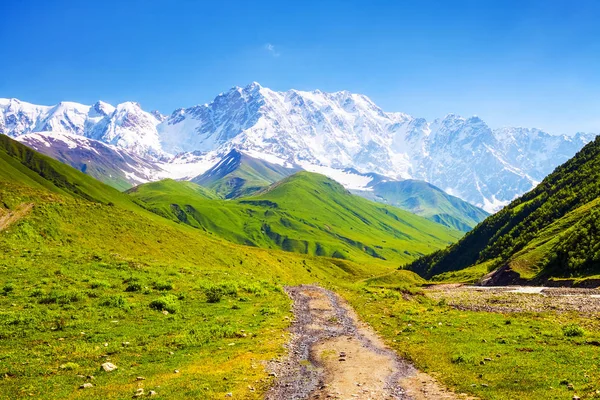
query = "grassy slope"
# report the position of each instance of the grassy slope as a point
(66, 266)
(548, 232)
(530, 355)
(426, 200)
(240, 175)
(64, 308)
(306, 213)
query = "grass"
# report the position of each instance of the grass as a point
(306, 213)
(86, 274)
(468, 275)
(488, 355)
(426, 200)
(238, 175)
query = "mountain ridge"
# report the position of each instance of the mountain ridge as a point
(549, 232)
(462, 156)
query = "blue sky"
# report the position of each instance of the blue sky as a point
(526, 63)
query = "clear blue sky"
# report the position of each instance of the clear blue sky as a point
(527, 63)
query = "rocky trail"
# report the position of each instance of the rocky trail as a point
(335, 356)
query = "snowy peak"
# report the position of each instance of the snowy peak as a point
(125, 125)
(320, 131)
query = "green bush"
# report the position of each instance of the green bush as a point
(573, 330)
(55, 297)
(214, 294)
(8, 288)
(459, 359)
(134, 287)
(163, 286)
(166, 303)
(70, 366)
(116, 301)
(99, 285)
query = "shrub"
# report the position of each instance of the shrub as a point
(166, 303)
(99, 285)
(37, 292)
(214, 294)
(163, 286)
(573, 330)
(70, 366)
(116, 301)
(229, 288)
(459, 359)
(60, 298)
(8, 288)
(134, 287)
(267, 311)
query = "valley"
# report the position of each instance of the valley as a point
(256, 274)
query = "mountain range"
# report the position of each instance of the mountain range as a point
(329, 133)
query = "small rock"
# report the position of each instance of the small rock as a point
(484, 385)
(86, 385)
(108, 367)
(105, 344)
(81, 376)
(273, 374)
(487, 359)
(165, 312)
(140, 378)
(229, 395)
(91, 377)
(152, 393)
(125, 344)
(570, 386)
(575, 397)
(139, 392)
(171, 353)
(342, 359)
(176, 371)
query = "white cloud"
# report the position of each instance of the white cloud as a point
(271, 49)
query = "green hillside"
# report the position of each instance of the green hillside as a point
(305, 213)
(238, 174)
(550, 232)
(428, 201)
(88, 277)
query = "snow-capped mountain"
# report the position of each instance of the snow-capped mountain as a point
(111, 164)
(126, 125)
(340, 130)
(318, 131)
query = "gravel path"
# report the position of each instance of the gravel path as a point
(514, 299)
(333, 355)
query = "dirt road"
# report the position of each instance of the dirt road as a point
(334, 356)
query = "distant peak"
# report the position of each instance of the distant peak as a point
(157, 114)
(254, 85)
(103, 108)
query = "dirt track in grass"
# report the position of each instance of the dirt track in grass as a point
(333, 355)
